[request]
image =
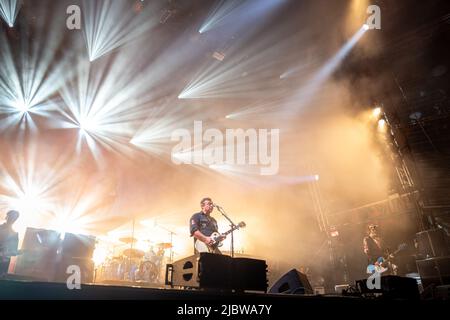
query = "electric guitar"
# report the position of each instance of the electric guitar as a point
(217, 239)
(382, 264)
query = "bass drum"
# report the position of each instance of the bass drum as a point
(147, 272)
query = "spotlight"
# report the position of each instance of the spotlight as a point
(87, 125)
(365, 27)
(376, 112)
(381, 125)
(22, 106)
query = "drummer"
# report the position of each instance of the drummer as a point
(150, 255)
(159, 256)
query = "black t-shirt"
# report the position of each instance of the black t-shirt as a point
(374, 251)
(9, 241)
(204, 223)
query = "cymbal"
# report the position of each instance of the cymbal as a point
(133, 253)
(128, 239)
(164, 245)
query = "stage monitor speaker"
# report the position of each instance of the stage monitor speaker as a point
(205, 270)
(434, 271)
(78, 246)
(249, 274)
(293, 282)
(37, 264)
(392, 287)
(38, 239)
(432, 243)
(39, 254)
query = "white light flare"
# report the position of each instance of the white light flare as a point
(322, 75)
(110, 24)
(9, 9)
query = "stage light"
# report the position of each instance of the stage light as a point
(29, 200)
(376, 112)
(365, 27)
(109, 25)
(22, 106)
(99, 255)
(382, 125)
(88, 125)
(323, 74)
(9, 9)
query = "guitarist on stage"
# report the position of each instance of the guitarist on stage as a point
(202, 226)
(376, 252)
(9, 241)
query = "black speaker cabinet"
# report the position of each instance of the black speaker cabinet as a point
(432, 243)
(249, 274)
(215, 271)
(434, 271)
(293, 282)
(77, 245)
(40, 264)
(205, 270)
(40, 239)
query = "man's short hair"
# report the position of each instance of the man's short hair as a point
(202, 202)
(13, 215)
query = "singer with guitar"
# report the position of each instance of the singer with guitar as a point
(9, 241)
(379, 257)
(202, 226)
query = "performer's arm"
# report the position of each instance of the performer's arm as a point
(200, 236)
(366, 246)
(195, 232)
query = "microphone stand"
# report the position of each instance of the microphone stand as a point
(232, 226)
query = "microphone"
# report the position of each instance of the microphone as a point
(217, 206)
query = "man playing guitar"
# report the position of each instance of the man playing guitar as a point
(378, 256)
(202, 226)
(9, 241)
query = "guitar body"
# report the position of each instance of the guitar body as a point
(384, 264)
(217, 238)
(203, 247)
(379, 267)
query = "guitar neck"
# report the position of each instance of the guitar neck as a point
(231, 230)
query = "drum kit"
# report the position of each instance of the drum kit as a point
(136, 265)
